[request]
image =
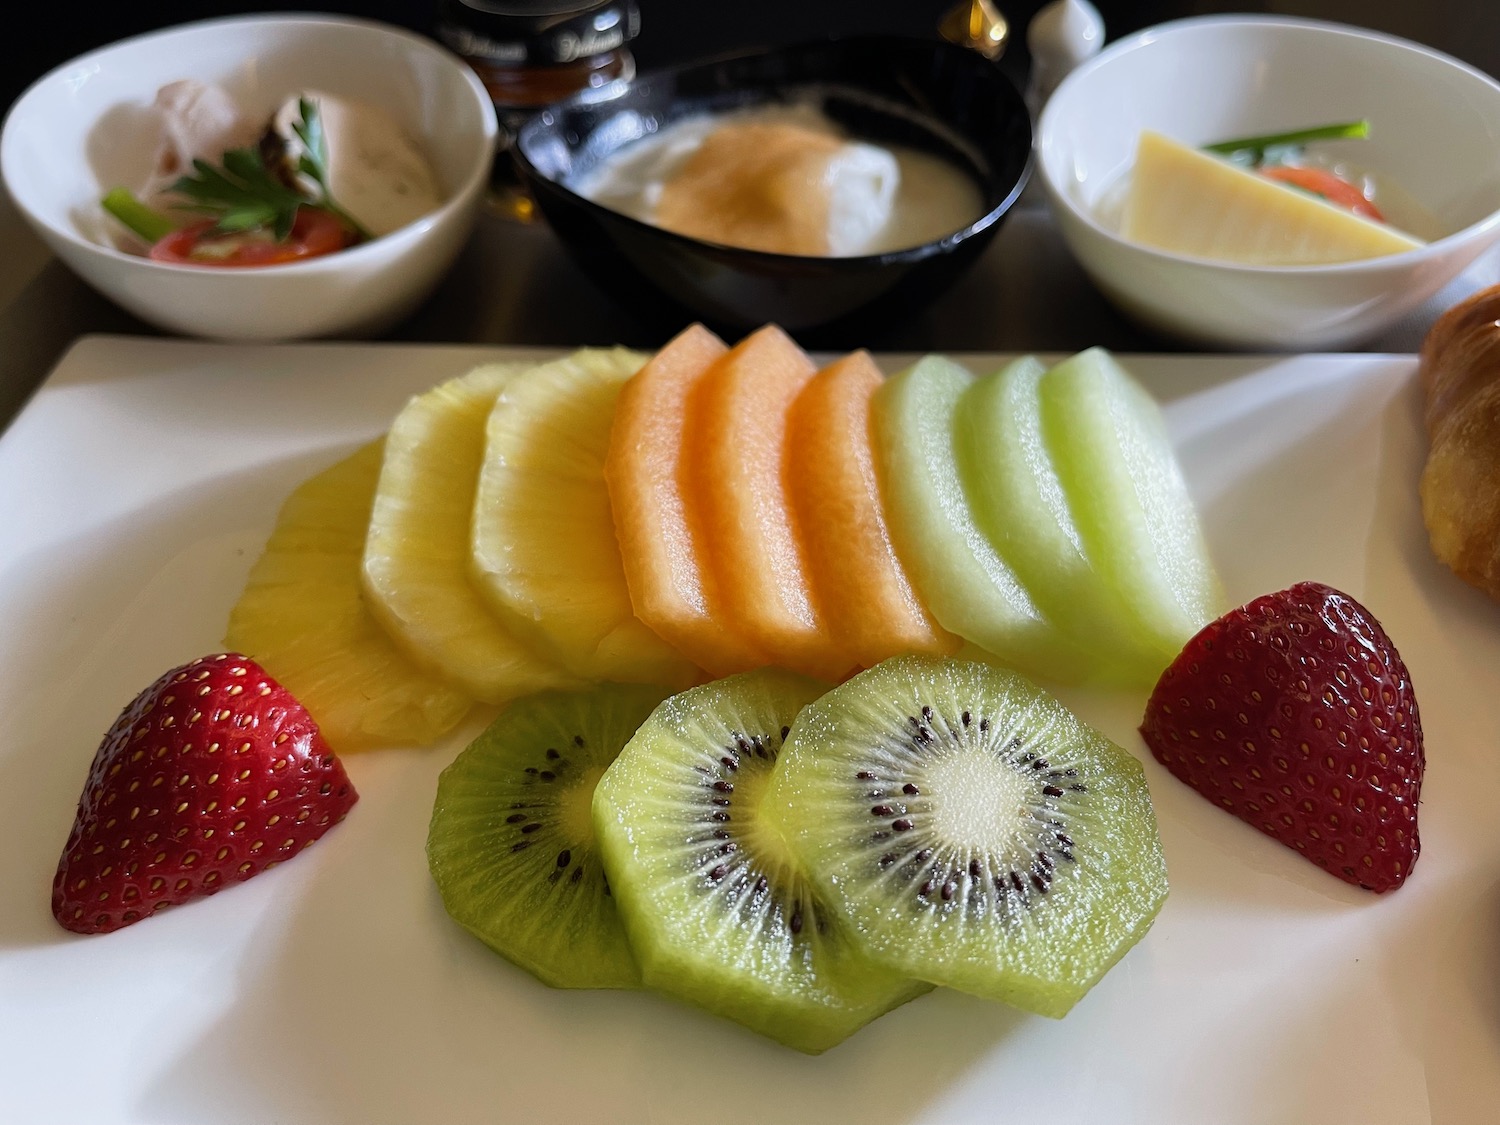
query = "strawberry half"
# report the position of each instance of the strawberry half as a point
(214, 774)
(1296, 714)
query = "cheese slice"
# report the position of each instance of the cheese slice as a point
(1190, 202)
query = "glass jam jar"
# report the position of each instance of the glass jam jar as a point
(530, 53)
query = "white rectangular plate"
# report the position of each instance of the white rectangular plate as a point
(137, 489)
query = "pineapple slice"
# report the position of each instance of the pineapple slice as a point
(303, 616)
(417, 554)
(544, 550)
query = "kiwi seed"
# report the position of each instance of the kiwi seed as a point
(969, 830)
(511, 844)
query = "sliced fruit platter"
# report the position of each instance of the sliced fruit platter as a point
(610, 516)
(530, 604)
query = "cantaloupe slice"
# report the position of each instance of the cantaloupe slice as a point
(736, 443)
(856, 576)
(654, 514)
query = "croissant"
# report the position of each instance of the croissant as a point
(1460, 489)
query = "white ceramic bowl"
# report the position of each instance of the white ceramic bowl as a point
(1435, 131)
(83, 129)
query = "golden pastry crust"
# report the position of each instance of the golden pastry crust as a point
(1460, 487)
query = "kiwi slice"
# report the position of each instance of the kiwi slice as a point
(511, 844)
(718, 911)
(970, 830)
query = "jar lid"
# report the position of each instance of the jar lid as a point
(536, 32)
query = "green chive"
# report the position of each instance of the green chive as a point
(151, 225)
(1256, 146)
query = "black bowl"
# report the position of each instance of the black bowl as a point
(927, 95)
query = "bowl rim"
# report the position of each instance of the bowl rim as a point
(1143, 39)
(474, 179)
(903, 256)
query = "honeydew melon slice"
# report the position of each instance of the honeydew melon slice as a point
(1136, 521)
(967, 585)
(1017, 498)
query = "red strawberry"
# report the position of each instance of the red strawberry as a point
(214, 774)
(1296, 714)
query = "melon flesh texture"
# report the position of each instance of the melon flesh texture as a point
(737, 423)
(1135, 517)
(1017, 498)
(856, 575)
(653, 503)
(970, 588)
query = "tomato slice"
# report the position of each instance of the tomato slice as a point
(1323, 183)
(315, 232)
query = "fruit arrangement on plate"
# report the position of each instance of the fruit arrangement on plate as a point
(763, 636)
(802, 859)
(611, 516)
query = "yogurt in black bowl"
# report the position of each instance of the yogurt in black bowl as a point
(926, 106)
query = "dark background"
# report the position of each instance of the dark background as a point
(38, 37)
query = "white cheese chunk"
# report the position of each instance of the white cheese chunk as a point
(375, 171)
(1190, 202)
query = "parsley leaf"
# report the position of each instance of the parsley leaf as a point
(246, 195)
